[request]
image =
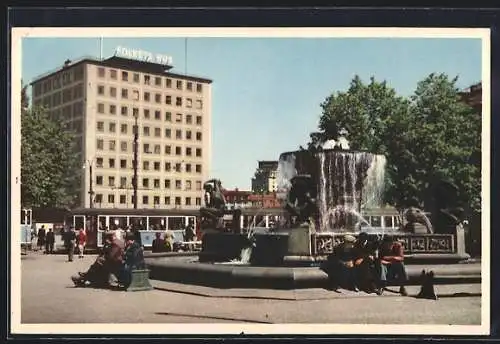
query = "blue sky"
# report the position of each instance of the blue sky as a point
(267, 92)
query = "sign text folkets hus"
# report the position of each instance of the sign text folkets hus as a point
(141, 55)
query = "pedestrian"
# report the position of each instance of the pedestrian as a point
(70, 242)
(82, 241)
(49, 242)
(34, 240)
(41, 237)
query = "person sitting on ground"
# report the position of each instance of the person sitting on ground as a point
(133, 260)
(341, 265)
(158, 244)
(108, 262)
(364, 263)
(391, 264)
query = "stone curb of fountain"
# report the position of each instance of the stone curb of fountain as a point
(310, 294)
(227, 276)
(170, 254)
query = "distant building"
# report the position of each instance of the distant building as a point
(266, 200)
(237, 198)
(473, 96)
(265, 177)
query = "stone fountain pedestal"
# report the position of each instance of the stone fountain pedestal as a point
(301, 247)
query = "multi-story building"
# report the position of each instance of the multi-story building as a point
(100, 100)
(473, 97)
(265, 177)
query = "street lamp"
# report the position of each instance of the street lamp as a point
(136, 143)
(91, 181)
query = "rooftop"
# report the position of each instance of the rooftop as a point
(122, 63)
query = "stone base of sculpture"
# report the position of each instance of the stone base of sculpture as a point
(299, 246)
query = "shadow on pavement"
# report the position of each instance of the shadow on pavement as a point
(212, 317)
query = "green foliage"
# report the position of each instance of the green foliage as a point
(49, 167)
(429, 137)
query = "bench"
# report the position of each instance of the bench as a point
(140, 281)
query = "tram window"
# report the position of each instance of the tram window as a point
(175, 222)
(156, 223)
(79, 221)
(388, 222)
(138, 222)
(376, 221)
(117, 222)
(102, 222)
(397, 221)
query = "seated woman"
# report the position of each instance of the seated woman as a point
(364, 264)
(133, 260)
(108, 262)
(340, 269)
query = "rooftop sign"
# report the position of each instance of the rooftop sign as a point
(141, 55)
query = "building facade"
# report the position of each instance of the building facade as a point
(473, 96)
(100, 100)
(237, 198)
(265, 177)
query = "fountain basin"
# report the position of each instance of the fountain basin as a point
(185, 270)
(289, 249)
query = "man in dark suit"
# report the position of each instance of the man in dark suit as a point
(70, 242)
(49, 242)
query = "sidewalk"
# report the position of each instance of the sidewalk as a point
(48, 296)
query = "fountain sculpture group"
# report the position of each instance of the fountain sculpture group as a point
(323, 191)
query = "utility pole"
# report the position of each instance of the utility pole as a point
(91, 185)
(136, 144)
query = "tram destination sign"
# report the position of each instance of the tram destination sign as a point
(144, 56)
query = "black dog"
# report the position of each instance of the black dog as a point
(427, 287)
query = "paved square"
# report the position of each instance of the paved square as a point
(48, 296)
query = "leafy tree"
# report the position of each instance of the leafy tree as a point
(49, 166)
(363, 111)
(448, 138)
(430, 136)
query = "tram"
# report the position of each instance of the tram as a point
(95, 221)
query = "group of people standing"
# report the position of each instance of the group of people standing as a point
(166, 242)
(114, 264)
(72, 239)
(363, 264)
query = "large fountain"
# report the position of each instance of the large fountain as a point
(324, 191)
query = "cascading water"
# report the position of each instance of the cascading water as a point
(374, 182)
(285, 172)
(345, 181)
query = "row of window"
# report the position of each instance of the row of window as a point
(146, 199)
(155, 166)
(148, 80)
(124, 147)
(58, 98)
(59, 80)
(146, 131)
(156, 183)
(147, 97)
(148, 114)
